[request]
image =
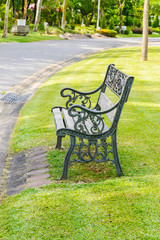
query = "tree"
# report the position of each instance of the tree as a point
(25, 9)
(121, 5)
(5, 30)
(99, 1)
(38, 14)
(144, 53)
(63, 24)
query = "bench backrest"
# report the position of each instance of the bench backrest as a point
(120, 84)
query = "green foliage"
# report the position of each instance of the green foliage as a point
(111, 24)
(126, 32)
(103, 23)
(155, 23)
(107, 32)
(157, 30)
(137, 23)
(129, 21)
(41, 27)
(31, 27)
(1, 25)
(83, 30)
(77, 18)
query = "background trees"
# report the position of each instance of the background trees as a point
(112, 13)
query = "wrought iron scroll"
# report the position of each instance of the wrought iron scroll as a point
(93, 150)
(116, 80)
(88, 123)
(76, 97)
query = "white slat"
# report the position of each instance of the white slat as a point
(68, 119)
(58, 118)
(105, 103)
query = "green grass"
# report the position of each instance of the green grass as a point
(31, 37)
(94, 204)
(153, 35)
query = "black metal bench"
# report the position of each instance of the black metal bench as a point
(91, 138)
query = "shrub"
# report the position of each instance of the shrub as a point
(117, 29)
(140, 30)
(104, 24)
(155, 23)
(126, 32)
(41, 27)
(137, 30)
(84, 30)
(111, 24)
(107, 32)
(1, 25)
(157, 30)
(137, 22)
(31, 26)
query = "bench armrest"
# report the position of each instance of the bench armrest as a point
(73, 112)
(88, 121)
(78, 96)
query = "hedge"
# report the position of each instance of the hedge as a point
(107, 32)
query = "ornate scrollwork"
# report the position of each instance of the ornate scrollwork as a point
(92, 150)
(88, 123)
(77, 97)
(116, 80)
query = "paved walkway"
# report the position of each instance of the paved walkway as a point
(15, 67)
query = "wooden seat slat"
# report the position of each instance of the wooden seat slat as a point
(105, 103)
(58, 118)
(68, 119)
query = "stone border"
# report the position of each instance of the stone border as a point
(25, 170)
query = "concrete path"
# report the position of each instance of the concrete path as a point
(20, 60)
(25, 66)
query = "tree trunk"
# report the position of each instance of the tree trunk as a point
(121, 5)
(99, 1)
(144, 52)
(121, 20)
(91, 17)
(38, 14)
(35, 9)
(14, 11)
(63, 24)
(25, 9)
(5, 30)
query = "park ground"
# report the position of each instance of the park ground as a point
(41, 36)
(94, 203)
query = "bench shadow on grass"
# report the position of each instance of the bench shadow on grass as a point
(80, 172)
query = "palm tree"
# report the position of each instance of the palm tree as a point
(38, 14)
(25, 9)
(121, 5)
(63, 24)
(144, 53)
(99, 1)
(5, 30)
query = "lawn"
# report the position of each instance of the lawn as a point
(153, 35)
(31, 37)
(94, 204)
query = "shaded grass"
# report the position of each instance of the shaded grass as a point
(94, 204)
(31, 37)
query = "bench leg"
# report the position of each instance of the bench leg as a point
(67, 158)
(115, 155)
(59, 142)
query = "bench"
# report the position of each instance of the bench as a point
(91, 137)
